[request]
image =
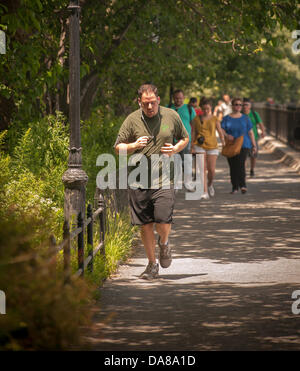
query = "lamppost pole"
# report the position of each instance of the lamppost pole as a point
(74, 178)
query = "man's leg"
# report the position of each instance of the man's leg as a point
(165, 255)
(142, 215)
(163, 230)
(163, 201)
(148, 239)
(252, 165)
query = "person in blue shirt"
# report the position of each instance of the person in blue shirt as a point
(187, 115)
(234, 125)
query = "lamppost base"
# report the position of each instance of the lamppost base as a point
(75, 180)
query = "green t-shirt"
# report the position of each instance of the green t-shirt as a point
(165, 127)
(186, 116)
(255, 119)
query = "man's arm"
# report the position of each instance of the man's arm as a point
(251, 135)
(259, 123)
(132, 147)
(169, 149)
(262, 128)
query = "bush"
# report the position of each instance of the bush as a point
(43, 151)
(25, 195)
(5, 161)
(98, 136)
(42, 312)
(118, 246)
(31, 178)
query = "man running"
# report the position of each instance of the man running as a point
(151, 130)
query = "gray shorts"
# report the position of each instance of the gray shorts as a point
(151, 205)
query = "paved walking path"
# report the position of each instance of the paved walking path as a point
(236, 264)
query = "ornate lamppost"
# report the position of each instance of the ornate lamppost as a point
(74, 178)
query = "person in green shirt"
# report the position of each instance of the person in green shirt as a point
(151, 131)
(187, 115)
(256, 122)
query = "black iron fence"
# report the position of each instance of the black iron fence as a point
(107, 204)
(282, 122)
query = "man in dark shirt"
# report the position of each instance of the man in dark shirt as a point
(150, 131)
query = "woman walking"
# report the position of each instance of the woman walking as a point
(234, 125)
(205, 142)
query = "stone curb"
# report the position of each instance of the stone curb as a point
(286, 154)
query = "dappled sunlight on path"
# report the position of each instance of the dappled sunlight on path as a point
(236, 262)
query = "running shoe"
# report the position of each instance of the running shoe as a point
(151, 272)
(165, 256)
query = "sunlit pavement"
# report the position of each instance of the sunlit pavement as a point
(236, 263)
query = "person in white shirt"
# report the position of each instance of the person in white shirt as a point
(226, 105)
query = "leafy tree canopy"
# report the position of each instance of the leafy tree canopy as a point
(127, 42)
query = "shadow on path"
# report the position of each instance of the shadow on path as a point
(236, 263)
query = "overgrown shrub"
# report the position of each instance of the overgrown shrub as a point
(31, 177)
(98, 136)
(43, 151)
(42, 312)
(5, 161)
(118, 246)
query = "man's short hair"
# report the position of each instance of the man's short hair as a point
(178, 91)
(147, 88)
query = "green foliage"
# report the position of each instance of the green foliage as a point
(98, 135)
(31, 176)
(125, 43)
(30, 68)
(182, 43)
(4, 163)
(118, 247)
(258, 75)
(28, 194)
(42, 312)
(43, 151)
(119, 242)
